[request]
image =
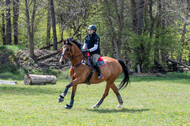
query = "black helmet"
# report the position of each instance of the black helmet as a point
(93, 27)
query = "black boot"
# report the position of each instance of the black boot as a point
(100, 76)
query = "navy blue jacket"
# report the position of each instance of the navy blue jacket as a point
(90, 40)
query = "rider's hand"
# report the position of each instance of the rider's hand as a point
(85, 51)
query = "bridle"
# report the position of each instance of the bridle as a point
(69, 53)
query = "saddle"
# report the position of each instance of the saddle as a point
(90, 62)
(91, 66)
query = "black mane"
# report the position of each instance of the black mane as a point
(75, 42)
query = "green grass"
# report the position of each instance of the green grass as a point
(147, 101)
(12, 47)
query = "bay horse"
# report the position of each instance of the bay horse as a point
(79, 72)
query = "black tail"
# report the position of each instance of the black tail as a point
(125, 81)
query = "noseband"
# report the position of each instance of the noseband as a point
(68, 54)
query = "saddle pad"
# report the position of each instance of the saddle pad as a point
(101, 63)
(100, 59)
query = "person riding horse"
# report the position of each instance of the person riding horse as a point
(92, 45)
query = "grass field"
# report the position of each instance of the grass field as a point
(147, 101)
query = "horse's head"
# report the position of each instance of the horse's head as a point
(66, 52)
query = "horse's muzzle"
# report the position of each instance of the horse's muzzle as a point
(61, 61)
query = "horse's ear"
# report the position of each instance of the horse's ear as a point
(69, 41)
(63, 40)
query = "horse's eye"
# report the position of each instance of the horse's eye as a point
(67, 49)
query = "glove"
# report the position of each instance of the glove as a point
(85, 51)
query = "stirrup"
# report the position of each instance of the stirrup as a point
(100, 76)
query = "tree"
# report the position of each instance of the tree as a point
(134, 14)
(48, 29)
(15, 20)
(184, 30)
(30, 26)
(3, 34)
(139, 50)
(53, 24)
(116, 35)
(8, 23)
(157, 36)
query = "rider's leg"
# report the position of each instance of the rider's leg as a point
(95, 58)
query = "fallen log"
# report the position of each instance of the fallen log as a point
(48, 55)
(8, 82)
(32, 79)
(50, 45)
(176, 62)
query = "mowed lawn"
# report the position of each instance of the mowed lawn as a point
(147, 101)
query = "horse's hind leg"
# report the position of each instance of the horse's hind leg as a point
(103, 96)
(115, 90)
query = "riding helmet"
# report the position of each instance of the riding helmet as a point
(93, 27)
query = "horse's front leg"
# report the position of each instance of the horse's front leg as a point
(61, 97)
(74, 84)
(72, 98)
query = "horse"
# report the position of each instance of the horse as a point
(79, 72)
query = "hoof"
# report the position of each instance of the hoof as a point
(68, 106)
(95, 106)
(119, 106)
(60, 99)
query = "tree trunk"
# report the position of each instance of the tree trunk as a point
(3, 34)
(119, 15)
(30, 26)
(15, 20)
(140, 16)
(8, 82)
(8, 25)
(134, 15)
(48, 27)
(151, 18)
(53, 24)
(114, 40)
(184, 31)
(31, 79)
(156, 43)
(140, 48)
(164, 51)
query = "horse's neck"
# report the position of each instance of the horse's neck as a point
(77, 56)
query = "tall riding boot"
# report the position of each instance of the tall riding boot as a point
(99, 71)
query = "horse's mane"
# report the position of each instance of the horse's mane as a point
(75, 42)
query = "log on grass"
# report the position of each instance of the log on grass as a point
(8, 82)
(32, 79)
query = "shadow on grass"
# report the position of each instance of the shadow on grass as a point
(117, 110)
(13, 90)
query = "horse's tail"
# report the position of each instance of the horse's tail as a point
(125, 81)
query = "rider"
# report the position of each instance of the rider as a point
(92, 45)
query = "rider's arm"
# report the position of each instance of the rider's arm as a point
(84, 46)
(94, 48)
